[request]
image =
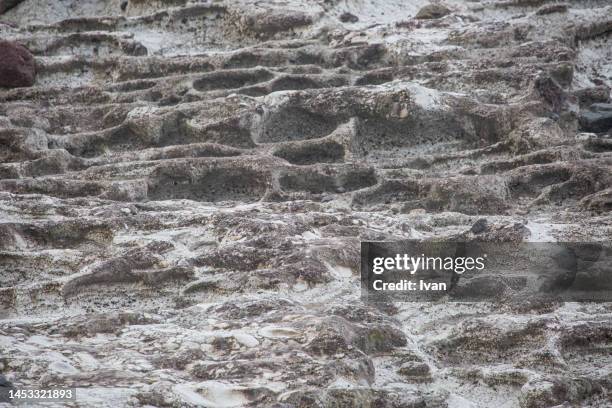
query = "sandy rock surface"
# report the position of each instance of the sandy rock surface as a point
(185, 185)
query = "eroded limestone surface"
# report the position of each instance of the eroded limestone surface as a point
(184, 188)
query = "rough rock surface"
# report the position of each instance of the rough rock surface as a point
(184, 189)
(17, 66)
(8, 4)
(432, 11)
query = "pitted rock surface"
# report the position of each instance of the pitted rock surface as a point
(184, 188)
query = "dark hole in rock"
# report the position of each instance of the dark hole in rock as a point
(222, 183)
(296, 124)
(329, 152)
(230, 79)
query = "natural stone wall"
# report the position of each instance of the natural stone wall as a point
(184, 186)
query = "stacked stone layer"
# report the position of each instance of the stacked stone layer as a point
(184, 187)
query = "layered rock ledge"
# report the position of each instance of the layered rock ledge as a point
(184, 186)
